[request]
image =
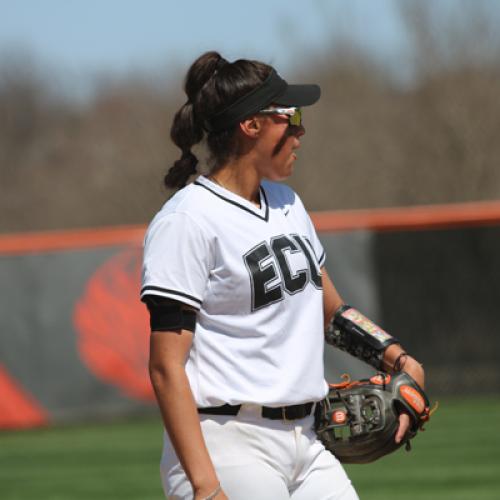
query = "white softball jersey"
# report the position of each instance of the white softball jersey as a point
(253, 274)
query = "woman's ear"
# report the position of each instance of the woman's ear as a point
(251, 127)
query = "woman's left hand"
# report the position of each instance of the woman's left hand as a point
(416, 372)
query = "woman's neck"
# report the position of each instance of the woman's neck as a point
(240, 178)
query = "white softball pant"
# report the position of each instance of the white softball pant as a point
(261, 459)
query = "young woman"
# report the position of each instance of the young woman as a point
(234, 281)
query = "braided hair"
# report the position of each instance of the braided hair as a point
(212, 83)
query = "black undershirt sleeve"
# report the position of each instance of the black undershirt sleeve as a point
(167, 314)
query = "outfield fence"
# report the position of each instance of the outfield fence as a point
(74, 336)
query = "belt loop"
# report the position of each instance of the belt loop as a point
(283, 415)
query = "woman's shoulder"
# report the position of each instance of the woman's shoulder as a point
(178, 211)
(187, 201)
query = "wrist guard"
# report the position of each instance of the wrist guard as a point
(352, 332)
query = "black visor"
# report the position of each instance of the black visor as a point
(273, 90)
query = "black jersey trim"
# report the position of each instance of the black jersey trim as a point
(321, 260)
(235, 203)
(169, 291)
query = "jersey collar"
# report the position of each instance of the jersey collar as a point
(261, 212)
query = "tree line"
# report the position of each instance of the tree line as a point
(373, 140)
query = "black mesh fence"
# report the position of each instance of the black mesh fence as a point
(439, 292)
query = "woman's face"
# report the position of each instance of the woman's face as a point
(276, 145)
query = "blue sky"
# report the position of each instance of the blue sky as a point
(85, 37)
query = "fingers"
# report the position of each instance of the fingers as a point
(404, 425)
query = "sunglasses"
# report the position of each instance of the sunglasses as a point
(294, 114)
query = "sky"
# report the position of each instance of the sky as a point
(86, 37)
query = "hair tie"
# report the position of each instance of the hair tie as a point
(194, 161)
(193, 168)
(400, 362)
(220, 64)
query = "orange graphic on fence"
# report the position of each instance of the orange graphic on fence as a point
(113, 326)
(18, 409)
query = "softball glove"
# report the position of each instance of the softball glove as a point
(358, 420)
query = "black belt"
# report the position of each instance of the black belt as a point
(292, 412)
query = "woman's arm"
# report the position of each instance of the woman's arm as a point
(393, 355)
(168, 354)
(331, 298)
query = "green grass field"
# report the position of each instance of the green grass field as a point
(456, 458)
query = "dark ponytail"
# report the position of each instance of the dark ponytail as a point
(185, 133)
(211, 84)
(187, 129)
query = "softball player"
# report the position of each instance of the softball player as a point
(238, 298)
